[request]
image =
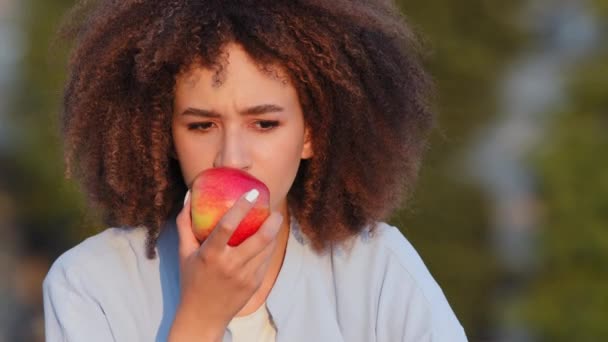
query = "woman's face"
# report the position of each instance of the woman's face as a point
(252, 121)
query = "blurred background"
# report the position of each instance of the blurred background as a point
(511, 212)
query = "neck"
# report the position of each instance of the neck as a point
(274, 267)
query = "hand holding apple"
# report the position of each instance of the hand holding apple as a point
(217, 280)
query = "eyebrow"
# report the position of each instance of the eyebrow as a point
(255, 110)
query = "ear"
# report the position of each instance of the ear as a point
(307, 151)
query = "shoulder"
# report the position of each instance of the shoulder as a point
(97, 256)
(394, 274)
(397, 251)
(383, 246)
(382, 243)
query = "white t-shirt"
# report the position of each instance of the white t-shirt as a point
(255, 327)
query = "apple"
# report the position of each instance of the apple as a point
(215, 190)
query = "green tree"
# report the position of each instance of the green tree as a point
(50, 210)
(568, 299)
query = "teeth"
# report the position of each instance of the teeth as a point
(252, 195)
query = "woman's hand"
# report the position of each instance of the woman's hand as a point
(217, 280)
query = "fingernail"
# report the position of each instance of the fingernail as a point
(252, 195)
(186, 198)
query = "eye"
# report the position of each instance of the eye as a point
(266, 125)
(200, 126)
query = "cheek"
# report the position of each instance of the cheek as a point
(279, 166)
(191, 159)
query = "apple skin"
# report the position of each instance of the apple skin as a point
(215, 190)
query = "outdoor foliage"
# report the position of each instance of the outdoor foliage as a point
(567, 300)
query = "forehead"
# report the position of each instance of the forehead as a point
(233, 68)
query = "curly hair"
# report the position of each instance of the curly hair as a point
(355, 65)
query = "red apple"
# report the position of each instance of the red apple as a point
(215, 190)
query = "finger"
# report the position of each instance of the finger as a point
(258, 265)
(187, 241)
(261, 260)
(232, 218)
(260, 240)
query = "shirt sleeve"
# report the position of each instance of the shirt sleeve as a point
(70, 313)
(411, 305)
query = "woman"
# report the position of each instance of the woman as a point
(325, 102)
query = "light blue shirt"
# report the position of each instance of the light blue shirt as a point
(374, 288)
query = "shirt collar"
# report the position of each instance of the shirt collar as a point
(280, 300)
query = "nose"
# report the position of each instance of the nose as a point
(233, 151)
